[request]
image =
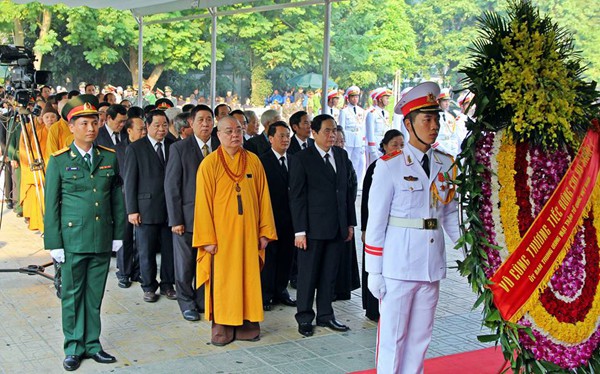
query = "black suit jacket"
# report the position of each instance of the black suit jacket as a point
(104, 138)
(279, 191)
(144, 181)
(120, 151)
(185, 157)
(322, 204)
(258, 144)
(295, 146)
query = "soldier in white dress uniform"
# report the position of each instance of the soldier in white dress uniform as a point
(411, 199)
(352, 120)
(332, 102)
(377, 123)
(451, 133)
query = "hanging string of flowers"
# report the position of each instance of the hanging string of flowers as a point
(532, 109)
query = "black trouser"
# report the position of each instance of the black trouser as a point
(184, 256)
(276, 271)
(152, 239)
(127, 258)
(317, 270)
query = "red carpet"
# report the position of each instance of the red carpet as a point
(482, 361)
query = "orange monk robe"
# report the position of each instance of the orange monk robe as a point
(235, 281)
(59, 136)
(32, 205)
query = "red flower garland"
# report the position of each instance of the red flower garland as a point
(522, 189)
(576, 310)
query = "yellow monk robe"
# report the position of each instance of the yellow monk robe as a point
(235, 284)
(59, 136)
(32, 208)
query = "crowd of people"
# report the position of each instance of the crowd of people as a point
(237, 214)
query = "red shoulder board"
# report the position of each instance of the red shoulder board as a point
(391, 155)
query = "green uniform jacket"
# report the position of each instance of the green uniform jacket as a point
(84, 210)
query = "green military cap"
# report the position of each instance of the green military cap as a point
(168, 89)
(81, 105)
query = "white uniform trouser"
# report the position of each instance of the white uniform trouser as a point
(405, 326)
(357, 157)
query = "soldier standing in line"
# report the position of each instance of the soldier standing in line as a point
(84, 221)
(377, 122)
(352, 120)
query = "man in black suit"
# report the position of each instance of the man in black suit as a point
(180, 191)
(146, 206)
(301, 140)
(110, 135)
(260, 143)
(127, 257)
(323, 215)
(278, 257)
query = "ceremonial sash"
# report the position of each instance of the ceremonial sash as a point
(550, 235)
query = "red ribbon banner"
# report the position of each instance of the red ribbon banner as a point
(523, 271)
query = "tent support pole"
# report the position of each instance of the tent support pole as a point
(213, 57)
(140, 62)
(326, 43)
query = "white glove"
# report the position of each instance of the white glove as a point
(116, 245)
(58, 255)
(376, 285)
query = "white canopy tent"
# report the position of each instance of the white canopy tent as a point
(141, 8)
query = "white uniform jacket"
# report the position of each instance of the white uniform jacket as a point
(377, 124)
(353, 123)
(334, 112)
(401, 189)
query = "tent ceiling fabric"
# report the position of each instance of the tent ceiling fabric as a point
(142, 7)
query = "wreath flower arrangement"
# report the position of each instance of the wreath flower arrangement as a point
(532, 109)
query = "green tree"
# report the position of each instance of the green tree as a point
(109, 36)
(581, 18)
(371, 41)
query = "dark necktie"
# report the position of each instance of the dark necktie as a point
(425, 164)
(383, 113)
(117, 137)
(328, 164)
(283, 167)
(331, 111)
(304, 145)
(88, 161)
(444, 116)
(354, 109)
(160, 154)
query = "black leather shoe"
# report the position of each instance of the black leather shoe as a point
(71, 362)
(267, 306)
(288, 301)
(306, 329)
(191, 315)
(103, 358)
(170, 294)
(150, 297)
(294, 284)
(124, 282)
(334, 325)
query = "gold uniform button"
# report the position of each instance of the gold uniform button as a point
(70, 224)
(97, 218)
(94, 190)
(92, 176)
(96, 203)
(410, 188)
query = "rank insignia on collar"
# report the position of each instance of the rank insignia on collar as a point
(410, 178)
(105, 167)
(72, 154)
(409, 159)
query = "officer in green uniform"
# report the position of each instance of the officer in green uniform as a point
(84, 222)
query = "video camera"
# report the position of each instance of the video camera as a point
(24, 78)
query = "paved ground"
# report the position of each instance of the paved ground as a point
(153, 338)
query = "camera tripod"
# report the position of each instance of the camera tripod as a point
(21, 123)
